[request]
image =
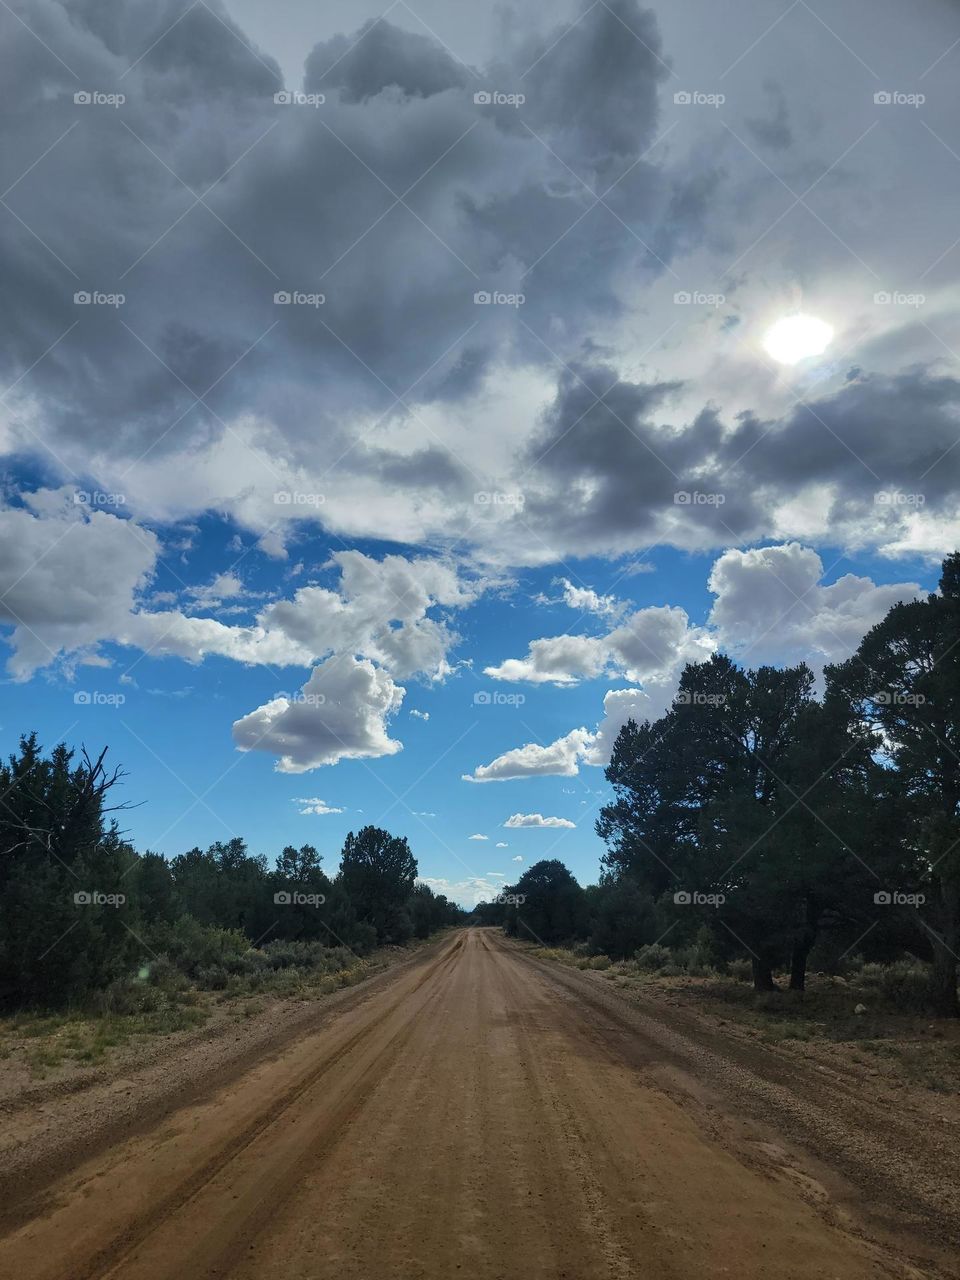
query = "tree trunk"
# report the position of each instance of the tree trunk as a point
(946, 944)
(944, 982)
(798, 964)
(762, 975)
(802, 948)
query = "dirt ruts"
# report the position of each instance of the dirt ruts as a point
(478, 1112)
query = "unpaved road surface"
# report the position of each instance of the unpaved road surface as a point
(485, 1115)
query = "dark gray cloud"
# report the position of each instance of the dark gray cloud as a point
(381, 56)
(613, 472)
(774, 129)
(397, 199)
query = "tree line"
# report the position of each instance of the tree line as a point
(80, 908)
(773, 822)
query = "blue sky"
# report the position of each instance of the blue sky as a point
(355, 364)
(171, 731)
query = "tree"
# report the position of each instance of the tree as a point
(546, 904)
(65, 909)
(622, 917)
(152, 881)
(302, 893)
(224, 886)
(377, 871)
(721, 806)
(904, 681)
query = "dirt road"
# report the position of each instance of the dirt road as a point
(474, 1115)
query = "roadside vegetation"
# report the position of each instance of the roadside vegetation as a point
(873, 1017)
(100, 943)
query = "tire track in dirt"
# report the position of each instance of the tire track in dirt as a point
(474, 1116)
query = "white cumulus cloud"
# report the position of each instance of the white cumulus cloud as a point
(536, 820)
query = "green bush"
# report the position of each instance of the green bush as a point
(212, 977)
(192, 946)
(906, 985)
(653, 957)
(871, 975)
(740, 969)
(127, 997)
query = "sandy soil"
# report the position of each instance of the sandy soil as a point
(479, 1112)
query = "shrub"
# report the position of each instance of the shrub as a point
(653, 957)
(871, 975)
(696, 960)
(740, 970)
(906, 985)
(192, 946)
(213, 977)
(127, 997)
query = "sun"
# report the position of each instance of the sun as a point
(795, 338)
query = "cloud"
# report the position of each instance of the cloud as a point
(205, 375)
(419, 715)
(518, 858)
(203, 395)
(502, 844)
(315, 805)
(468, 891)
(619, 706)
(341, 714)
(479, 837)
(533, 760)
(536, 820)
(817, 470)
(588, 601)
(69, 576)
(771, 606)
(225, 586)
(557, 660)
(651, 645)
(774, 130)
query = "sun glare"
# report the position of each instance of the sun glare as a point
(795, 338)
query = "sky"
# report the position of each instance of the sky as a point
(396, 398)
